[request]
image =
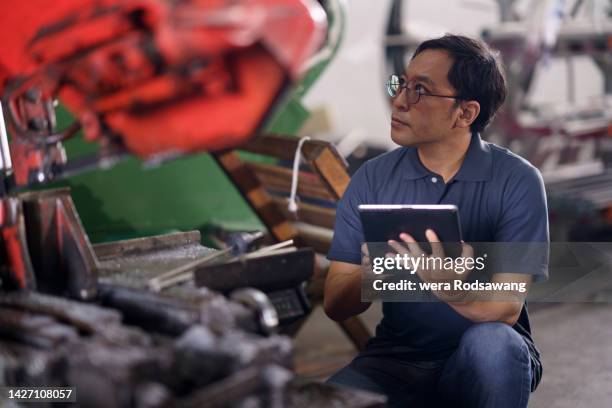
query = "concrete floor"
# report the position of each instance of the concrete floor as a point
(575, 341)
(576, 345)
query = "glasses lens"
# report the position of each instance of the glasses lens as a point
(393, 86)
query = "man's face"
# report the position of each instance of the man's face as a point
(431, 119)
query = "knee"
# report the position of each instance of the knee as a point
(493, 348)
(491, 367)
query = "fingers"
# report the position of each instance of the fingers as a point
(365, 255)
(436, 246)
(467, 250)
(413, 246)
(397, 247)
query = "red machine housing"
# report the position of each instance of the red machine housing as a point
(156, 77)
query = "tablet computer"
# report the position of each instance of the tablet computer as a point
(382, 222)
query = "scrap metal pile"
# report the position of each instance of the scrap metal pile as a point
(102, 329)
(50, 341)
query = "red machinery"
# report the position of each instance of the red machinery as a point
(157, 78)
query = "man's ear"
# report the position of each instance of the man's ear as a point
(469, 113)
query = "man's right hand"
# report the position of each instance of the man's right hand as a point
(342, 295)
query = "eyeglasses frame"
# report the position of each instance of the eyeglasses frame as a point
(419, 94)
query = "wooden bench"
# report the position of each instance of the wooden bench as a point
(323, 178)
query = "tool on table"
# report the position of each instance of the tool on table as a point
(239, 244)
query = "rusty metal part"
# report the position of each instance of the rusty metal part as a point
(205, 357)
(113, 376)
(133, 263)
(127, 269)
(6, 166)
(16, 270)
(149, 311)
(58, 247)
(118, 249)
(269, 272)
(254, 350)
(199, 360)
(7, 177)
(240, 244)
(88, 319)
(36, 330)
(259, 302)
(173, 313)
(27, 366)
(271, 380)
(290, 304)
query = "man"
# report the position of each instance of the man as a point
(456, 353)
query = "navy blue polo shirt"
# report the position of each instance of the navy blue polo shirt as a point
(501, 198)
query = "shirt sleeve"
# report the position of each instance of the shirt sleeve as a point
(522, 237)
(348, 232)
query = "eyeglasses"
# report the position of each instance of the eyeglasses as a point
(395, 84)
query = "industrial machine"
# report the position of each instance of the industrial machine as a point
(158, 321)
(207, 73)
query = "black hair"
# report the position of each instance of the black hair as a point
(476, 74)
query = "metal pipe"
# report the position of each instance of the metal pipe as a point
(6, 165)
(571, 80)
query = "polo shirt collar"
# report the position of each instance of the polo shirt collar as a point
(413, 168)
(478, 162)
(477, 165)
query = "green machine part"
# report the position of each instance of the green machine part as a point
(130, 200)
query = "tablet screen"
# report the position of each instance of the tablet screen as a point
(383, 222)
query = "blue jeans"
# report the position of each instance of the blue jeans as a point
(491, 367)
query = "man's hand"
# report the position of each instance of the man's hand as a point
(473, 305)
(432, 271)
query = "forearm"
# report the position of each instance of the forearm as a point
(480, 311)
(484, 306)
(342, 296)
